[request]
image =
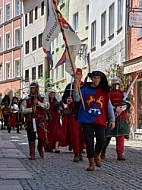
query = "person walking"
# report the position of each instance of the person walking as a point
(98, 110)
(14, 115)
(33, 107)
(121, 129)
(55, 129)
(74, 137)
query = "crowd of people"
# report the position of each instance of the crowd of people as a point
(87, 110)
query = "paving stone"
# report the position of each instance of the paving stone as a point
(10, 185)
(58, 171)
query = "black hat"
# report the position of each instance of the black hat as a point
(103, 83)
(33, 84)
(96, 73)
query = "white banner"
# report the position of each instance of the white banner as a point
(52, 29)
(135, 19)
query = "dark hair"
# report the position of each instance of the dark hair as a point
(103, 83)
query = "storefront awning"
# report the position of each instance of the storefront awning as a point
(133, 65)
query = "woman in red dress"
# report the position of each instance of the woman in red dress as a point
(55, 129)
(13, 118)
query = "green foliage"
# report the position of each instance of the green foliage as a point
(48, 82)
(116, 70)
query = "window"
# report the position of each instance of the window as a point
(111, 19)
(17, 7)
(7, 12)
(39, 40)
(87, 15)
(85, 56)
(27, 47)
(139, 103)
(52, 46)
(34, 73)
(75, 21)
(139, 30)
(63, 71)
(36, 12)
(103, 27)
(7, 41)
(7, 70)
(33, 43)
(40, 71)
(93, 35)
(0, 44)
(26, 20)
(42, 8)
(27, 75)
(17, 68)
(57, 73)
(31, 17)
(17, 37)
(0, 16)
(120, 13)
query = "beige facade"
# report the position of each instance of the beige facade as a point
(34, 65)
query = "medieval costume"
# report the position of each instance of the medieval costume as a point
(14, 115)
(1, 116)
(121, 126)
(33, 108)
(73, 130)
(54, 127)
(93, 118)
(6, 109)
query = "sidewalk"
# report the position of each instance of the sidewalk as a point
(59, 172)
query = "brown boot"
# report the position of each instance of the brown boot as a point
(120, 157)
(76, 158)
(32, 150)
(91, 164)
(97, 159)
(103, 155)
(40, 149)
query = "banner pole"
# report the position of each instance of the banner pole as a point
(59, 17)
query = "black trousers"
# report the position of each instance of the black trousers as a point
(90, 131)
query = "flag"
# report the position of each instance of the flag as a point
(50, 57)
(62, 59)
(51, 32)
(74, 44)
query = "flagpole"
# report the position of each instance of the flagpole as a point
(59, 17)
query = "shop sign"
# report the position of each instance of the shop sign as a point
(133, 68)
(135, 19)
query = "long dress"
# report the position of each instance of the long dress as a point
(55, 130)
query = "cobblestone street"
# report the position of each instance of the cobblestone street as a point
(59, 172)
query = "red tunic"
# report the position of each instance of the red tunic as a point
(40, 117)
(55, 129)
(116, 97)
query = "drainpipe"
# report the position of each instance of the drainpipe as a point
(21, 49)
(127, 31)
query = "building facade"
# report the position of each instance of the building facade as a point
(10, 47)
(133, 66)
(34, 60)
(107, 34)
